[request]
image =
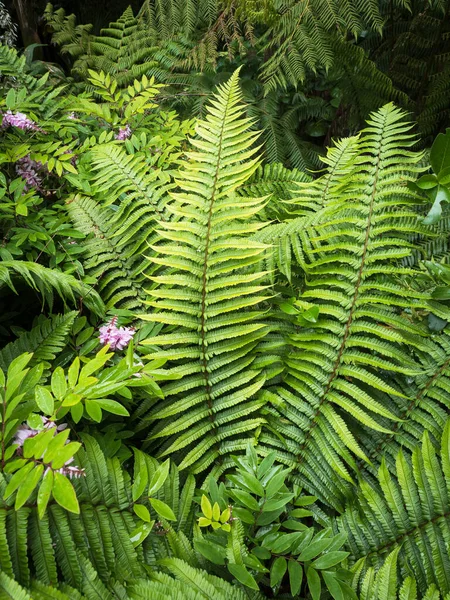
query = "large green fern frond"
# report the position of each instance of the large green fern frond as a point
(341, 368)
(406, 513)
(49, 281)
(207, 294)
(45, 340)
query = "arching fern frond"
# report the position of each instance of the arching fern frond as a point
(207, 294)
(45, 340)
(406, 514)
(337, 373)
(385, 585)
(48, 281)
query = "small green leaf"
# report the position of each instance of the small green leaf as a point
(59, 384)
(93, 410)
(74, 369)
(330, 559)
(295, 576)
(315, 587)
(64, 494)
(44, 493)
(162, 509)
(279, 568)
(159, 477)
(243, 576)
(206, 507)
(44, 400)
(216, 512)
(27, 486)
(142, 512)
(17, 479)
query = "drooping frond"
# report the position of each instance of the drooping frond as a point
(48, 281)
(386, 585)
(45, 340)
(406, 513)
(341, 367)
(207, 294)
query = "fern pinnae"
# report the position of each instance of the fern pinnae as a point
(215, 311)
(348, 283)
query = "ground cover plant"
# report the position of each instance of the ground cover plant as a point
(221, 377)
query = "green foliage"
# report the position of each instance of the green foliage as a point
(405, 514)
(209, 289)
(265, 534)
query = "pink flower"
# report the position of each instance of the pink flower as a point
(19, 120)
(24, 432)
(124, 133)
(28, 168)
(118, 338)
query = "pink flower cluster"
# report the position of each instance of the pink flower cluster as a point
(24, 432)
(19, 120)
(124, 133)
(118, 338)
(28, 168)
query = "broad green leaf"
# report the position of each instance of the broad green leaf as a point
(440, 152)
(213, 552)
(93, 410)
(65, 454)
(245, 498)
(279, 568)
(243, 576)
(159, 477)
(28, 485)
(64, 494)
(44, 400)
(162, 509)
(314, 585)
(140, 475)
(44, 493)
(142, 512)
(330, 559)
(295, 576)
(206, 507)
(140, 533)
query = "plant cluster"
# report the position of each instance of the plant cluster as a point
(218, 378)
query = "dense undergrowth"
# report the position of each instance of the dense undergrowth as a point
(220, 377)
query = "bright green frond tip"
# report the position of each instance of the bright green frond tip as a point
(209, 293)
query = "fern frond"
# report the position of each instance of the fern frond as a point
(352, 252)
(48, 281)
(214, 303)
(405, 514)
(46, 340)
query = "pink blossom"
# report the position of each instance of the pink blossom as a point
(19, 120)
(72, 471)
(124, 133)
(24, 432)
(117, 337)
(28, 168)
